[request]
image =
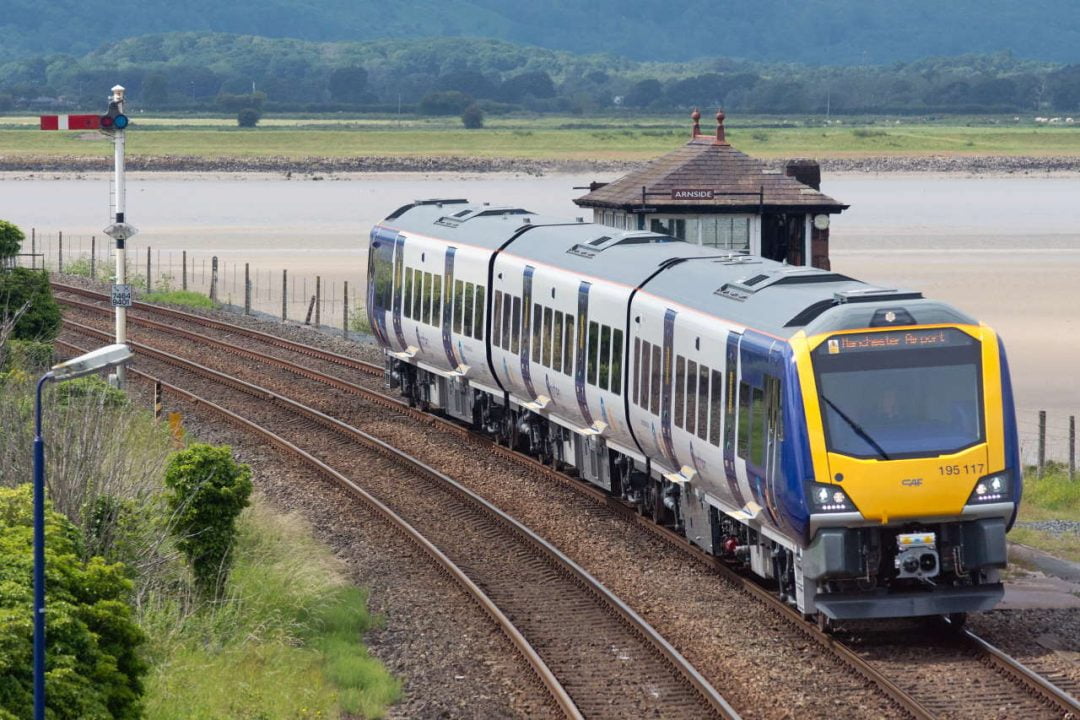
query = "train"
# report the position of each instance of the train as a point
(853, 446)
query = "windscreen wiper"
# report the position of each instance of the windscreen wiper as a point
(857, 428)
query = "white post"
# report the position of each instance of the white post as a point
(119, 230)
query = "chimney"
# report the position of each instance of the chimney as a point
(695, 116)
(806, 171)
(720, 127)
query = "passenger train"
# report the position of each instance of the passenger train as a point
(855, 445)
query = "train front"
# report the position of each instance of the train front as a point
(916, 476)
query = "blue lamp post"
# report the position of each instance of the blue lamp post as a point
(107, 356)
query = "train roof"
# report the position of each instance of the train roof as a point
(762, 294)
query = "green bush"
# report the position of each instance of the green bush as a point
(27, 355)
(42, 319)
(248, 118)
(207, 489)
(93, 670)
(11, 238)
(473, 117)
(93, 388)
(79, 267)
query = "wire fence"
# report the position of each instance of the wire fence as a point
(285, 295)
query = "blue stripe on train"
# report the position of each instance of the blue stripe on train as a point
(1012, 441)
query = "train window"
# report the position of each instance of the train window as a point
(703, 402)
(757, 446)
(507, 312)
(546, 359)
(593, 348)
(637, 367)
(418, 288)
(680, 390)
(568, 351)
(655, 373)
(496, 325)
(459, 299)
(691, 396)
(478, 323)
(557, 342)
(436, 301)
(407, 309)
(744, 420)
(425, 295)
(467, 311)
(537, 328)
(616, 361)
(716, 407)
(516, 334)
(604, 361)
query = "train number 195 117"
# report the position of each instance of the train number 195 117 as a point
(966, 469)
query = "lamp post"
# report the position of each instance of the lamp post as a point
(107, 356)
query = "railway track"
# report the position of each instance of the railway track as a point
(594, 653)
(1027, 692)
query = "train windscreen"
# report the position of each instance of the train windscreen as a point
(900, 394)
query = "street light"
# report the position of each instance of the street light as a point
(107, 356)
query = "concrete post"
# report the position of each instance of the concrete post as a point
(93, 257)
(345, 310)
(284, 295)
(247, 289)
(147, 268)
(60, 253)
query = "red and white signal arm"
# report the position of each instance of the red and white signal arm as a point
(70, 122)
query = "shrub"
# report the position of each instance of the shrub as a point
(41, 321)
(90, 388)
(11, 238)
(207, 489)
(26, 355)
(359, 321)
(248, 118)
(79, 267)
(94, 670)
(473, 117)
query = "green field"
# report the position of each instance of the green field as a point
(562, 138)
(1051, 497)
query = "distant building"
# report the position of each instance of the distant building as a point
(709, 193)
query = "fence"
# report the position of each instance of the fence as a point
(285, 295)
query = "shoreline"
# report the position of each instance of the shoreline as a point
(314, 168)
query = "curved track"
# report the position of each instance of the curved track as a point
(610, 662)
(1023, 692)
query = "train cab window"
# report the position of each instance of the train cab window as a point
(716, 407)
(637, 368)
(496, 325)
(459, 300)
(691, 396)
(757, 441)
(604, 361)
(515, 335)
(557, 342)
(568, 350)
(407, 309)
(616, 361)
(703, 402)
(656, 373)
(537, 329)
(593, 349)
(478, 322)
(467, 311)
(436, 301)
(545, 360)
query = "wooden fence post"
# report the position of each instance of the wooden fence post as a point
(1072, 448)
(1042, 442)
(157, 400)
(183, 273)
(284, 295)
(213, 279)
(247, 289)
(318, 299)
(93, 257)
(345, 310)
(310, 309)
(147, 268)
(60, 253)
(33, 249)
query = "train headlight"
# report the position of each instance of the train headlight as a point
(991, 488)
(829, 498)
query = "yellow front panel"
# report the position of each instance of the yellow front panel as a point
(887, 490)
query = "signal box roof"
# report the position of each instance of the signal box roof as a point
(707, 175)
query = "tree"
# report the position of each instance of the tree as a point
(473, 117)
(155, 90)
(444, 103)
(348, 84)
(235, 103)
(248, 118)
(207, 489)
(643, 93)
(25, 287)
(11, 237)
(530, 84)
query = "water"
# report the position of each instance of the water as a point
(1006, 250)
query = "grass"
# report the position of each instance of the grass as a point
(1051, 497)
(187, 298)
(546, 137)
(285, 644)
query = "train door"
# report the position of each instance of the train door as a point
(731, 374)
(759, 426)
(380, 283)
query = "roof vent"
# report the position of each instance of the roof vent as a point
(474, 212)
(875, 294)
(591, 248)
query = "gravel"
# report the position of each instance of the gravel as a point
(1058, 528)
